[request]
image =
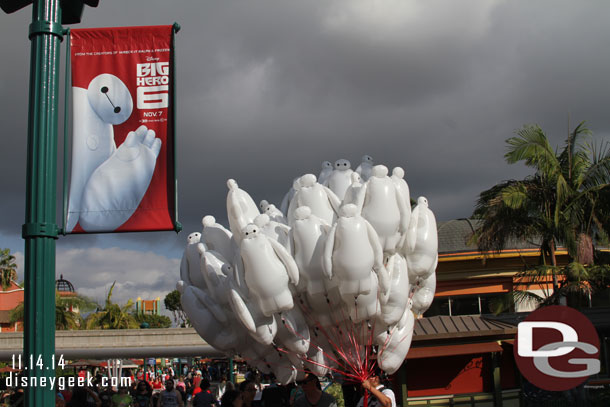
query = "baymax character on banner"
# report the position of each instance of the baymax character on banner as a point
(107, 183)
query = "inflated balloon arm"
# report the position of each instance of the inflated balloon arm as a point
(285, 257)
(180, 286)
(374, 242)
(329, 245)
(411, 239)
(239, 275)
(404, 212)
(333, 199)
(285, 229)
(292, 206)
(184, 270)
(360, 197)
(378, 267)
(210, 304)
(241, 310)
(393, 276)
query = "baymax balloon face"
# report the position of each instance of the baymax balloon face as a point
(342, 165)
(110, 98)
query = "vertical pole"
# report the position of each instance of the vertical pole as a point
(231, 375)
(40, 229)
(495, 369)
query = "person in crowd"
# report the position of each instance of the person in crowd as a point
(231, 398)
(143, 395)
(275, 395)
(84, 397)
(181, 387)
(59, 400)
(204, 398)
(170, 397)
(106, 396)
(157, 384)
(247, 389)
(313, 396)
(379, 394)
(122, 398)
(196, 380)
(221, 388)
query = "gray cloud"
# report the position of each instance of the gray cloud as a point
(269, 89)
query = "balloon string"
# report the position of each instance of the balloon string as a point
(326, 335)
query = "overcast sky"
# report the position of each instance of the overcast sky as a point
(267, 90)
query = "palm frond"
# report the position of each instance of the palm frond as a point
(532, 146)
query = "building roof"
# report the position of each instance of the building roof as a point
(5, 317)
(465, 326)
(453, 237)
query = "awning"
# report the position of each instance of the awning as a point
(452, 350)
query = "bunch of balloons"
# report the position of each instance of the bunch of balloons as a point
(330, 281)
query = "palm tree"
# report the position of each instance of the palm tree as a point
(112, 316)
(64, 317)
(561, 203)
(8, 268)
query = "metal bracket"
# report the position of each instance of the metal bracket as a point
(29, 230)
(46, 27)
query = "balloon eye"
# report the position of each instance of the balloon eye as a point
(104, 89)
(246, 233)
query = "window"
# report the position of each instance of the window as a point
(462, 305)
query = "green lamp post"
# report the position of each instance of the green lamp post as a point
(40, 229)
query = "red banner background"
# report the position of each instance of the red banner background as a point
(119, 51)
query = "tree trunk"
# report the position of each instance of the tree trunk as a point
(585, 249)
(554, 264)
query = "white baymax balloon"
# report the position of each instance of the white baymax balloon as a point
(218, 238)
(221, 336)
(95, 112)
(274, 213)
(241, 209)
(307, 237)
(327, 169)
(255, 354)
(293, 332)
(315, 362)
(190, 265)
(421, 246)
(393, 353)
(217, 271)
(289, 195)
(320, 199)
(384, 208)
(365, 307)
(424, 294)
(341, 178)
(365, 169)
(352, 251)
(395, 302)
(353, 195)
(272, 229)
(398, 175)
(261, 327)
(324, 310)
(267, 269)
(282, 367)
(115, 189)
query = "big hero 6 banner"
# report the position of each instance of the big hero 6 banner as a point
(122, 170)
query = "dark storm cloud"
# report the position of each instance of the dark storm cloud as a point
(267, 90)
